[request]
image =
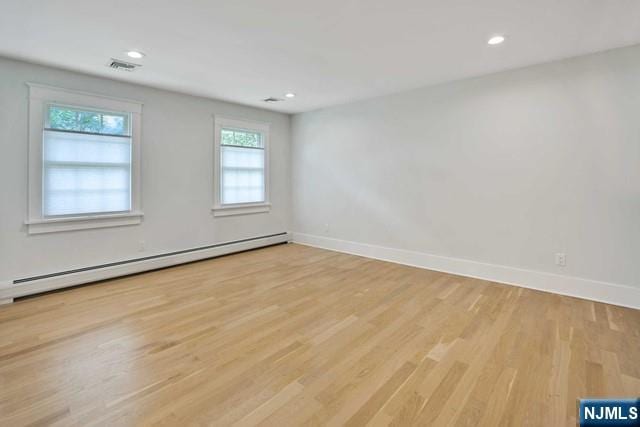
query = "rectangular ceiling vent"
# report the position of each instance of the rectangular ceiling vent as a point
(118, 64)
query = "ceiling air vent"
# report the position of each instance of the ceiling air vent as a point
(118, 64)
(271, 99)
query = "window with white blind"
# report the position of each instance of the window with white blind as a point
(83, 163)
(86, 162)
(241, 167)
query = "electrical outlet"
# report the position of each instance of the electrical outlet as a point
(326, 228)
(561, 259)
(141, 246)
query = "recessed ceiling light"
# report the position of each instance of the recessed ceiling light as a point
(135, 54)
(290, 95)
(496, 40)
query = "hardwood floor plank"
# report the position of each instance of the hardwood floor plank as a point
(294, 335)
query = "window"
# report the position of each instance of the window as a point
(83, 161)
(241, 167)
(86, 162)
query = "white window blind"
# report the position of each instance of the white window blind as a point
(242, 162)
(86, 161)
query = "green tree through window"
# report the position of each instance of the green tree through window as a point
(65, 118)
(241, 138)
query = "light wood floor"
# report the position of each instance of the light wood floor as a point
(292, 335)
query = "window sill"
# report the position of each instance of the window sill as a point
(241, 209)
(54, 225)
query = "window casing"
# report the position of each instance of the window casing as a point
(241, 183)
(84, 162)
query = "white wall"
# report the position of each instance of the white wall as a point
(177, 178)
(506, 169)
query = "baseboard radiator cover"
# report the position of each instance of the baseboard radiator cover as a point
(610, 293)
(59, 280)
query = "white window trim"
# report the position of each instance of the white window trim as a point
(39, 97)
(219, 209)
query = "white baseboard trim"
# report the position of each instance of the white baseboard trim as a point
(6, 301)
(626, 296)
(9, 290)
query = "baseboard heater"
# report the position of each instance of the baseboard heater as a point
(47, 282)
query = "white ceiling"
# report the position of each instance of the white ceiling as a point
(326, 51)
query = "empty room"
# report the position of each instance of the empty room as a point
(340, 212)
